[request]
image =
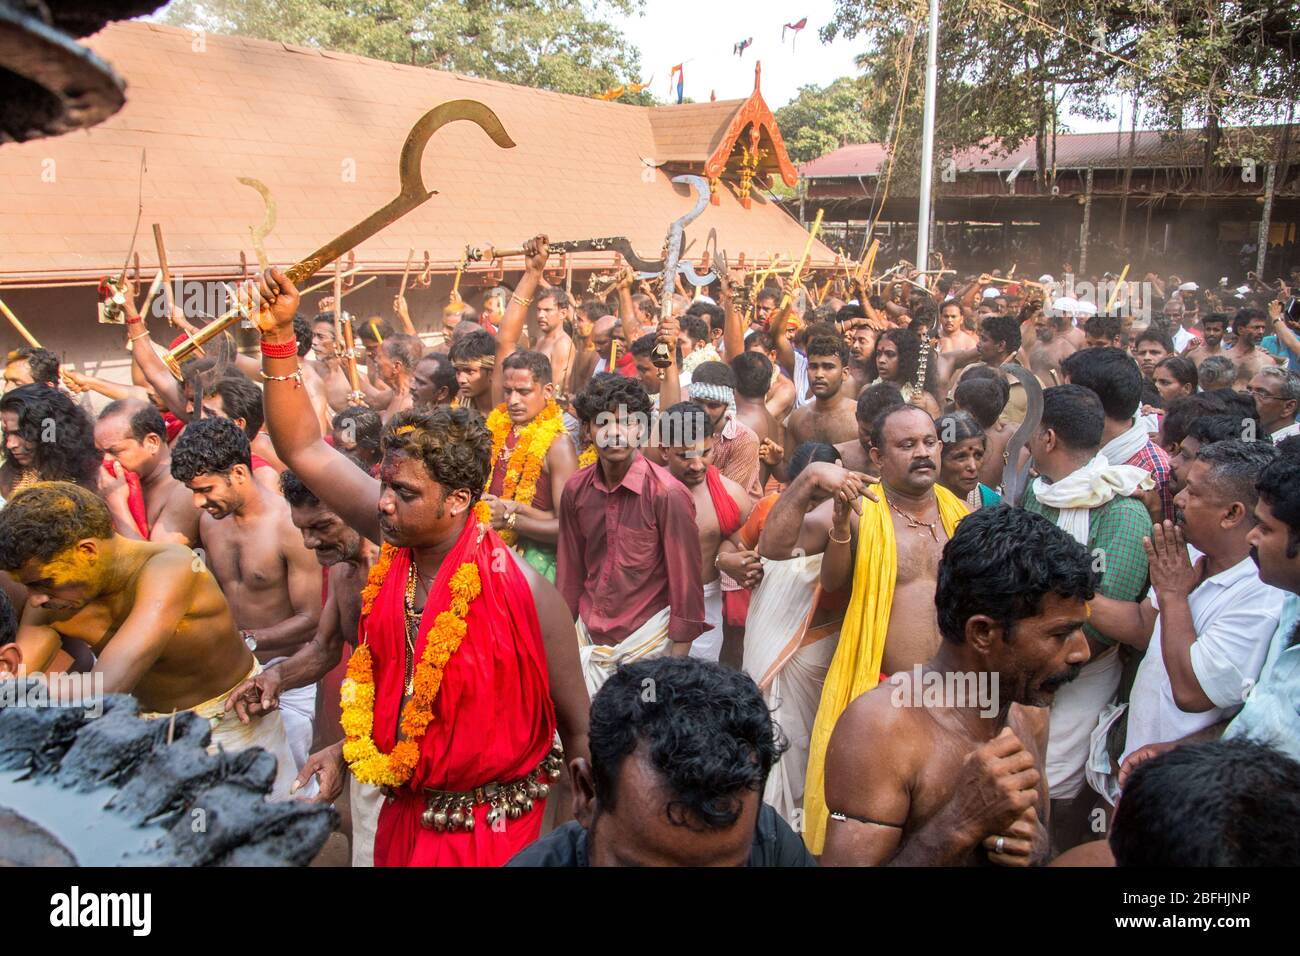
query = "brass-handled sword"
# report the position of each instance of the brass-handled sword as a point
(620, 244)
(412, 195)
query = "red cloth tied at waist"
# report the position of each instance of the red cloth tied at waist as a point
(493, 720)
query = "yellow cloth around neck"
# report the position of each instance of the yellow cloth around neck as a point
(855, 668)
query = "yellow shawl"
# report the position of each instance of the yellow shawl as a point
(855, 668)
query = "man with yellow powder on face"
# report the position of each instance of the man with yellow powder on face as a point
(152, 613)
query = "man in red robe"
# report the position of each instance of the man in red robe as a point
(512, 679)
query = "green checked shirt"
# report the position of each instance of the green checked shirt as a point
(1115, 533)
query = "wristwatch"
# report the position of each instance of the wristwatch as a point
(250, 639)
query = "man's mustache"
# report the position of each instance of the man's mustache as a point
(1063, 678)
(924, 464)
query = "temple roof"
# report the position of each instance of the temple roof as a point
(323, 131)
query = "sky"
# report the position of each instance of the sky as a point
(702, 34)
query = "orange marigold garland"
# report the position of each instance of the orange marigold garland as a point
(368, 763)
(524, 467)
(588, 456)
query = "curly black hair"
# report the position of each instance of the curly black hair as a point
(61, 435)
(302, 332)
(823, 345)
(1002, 562)
(608, 392)
(875, 398)
(1221, 803)
(704, 728)
(367, 426)
(46, 519)
(43, 363)
(453, 443)
(1004, 329)
(210, 446)
(8, 620)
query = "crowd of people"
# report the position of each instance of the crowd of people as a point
(931, 572)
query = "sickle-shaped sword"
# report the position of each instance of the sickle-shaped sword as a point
(413, 194)
(673, 251)
(1014, 478)
(260, 233)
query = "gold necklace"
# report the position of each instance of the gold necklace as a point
(915, 522)
(411, 624)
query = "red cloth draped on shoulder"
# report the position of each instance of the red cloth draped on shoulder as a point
(735, 604)
(493, 720)
(174, 426)
(724, 506)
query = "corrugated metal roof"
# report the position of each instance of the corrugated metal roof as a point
(1073, 151)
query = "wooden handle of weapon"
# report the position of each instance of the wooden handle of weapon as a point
(1119, 284)
(803, 260)
(22, 329)
(163, 268)
(352, 357)
(338, 301)
(406, 273)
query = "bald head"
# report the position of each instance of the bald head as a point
(133, 432)
(605, 329)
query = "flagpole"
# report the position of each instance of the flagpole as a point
(927, 140)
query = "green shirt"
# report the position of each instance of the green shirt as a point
(1115, 533)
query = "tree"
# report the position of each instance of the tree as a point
(549, 44)
(823, 118)
(1005, 67)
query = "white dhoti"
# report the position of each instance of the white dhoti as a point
(599, 661)
(365, 801)
(788, 659)
(1075, 711)
(708, 646)
(232, 735)
(298, 707)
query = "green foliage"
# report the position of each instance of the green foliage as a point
(823, 118)
(558, 45)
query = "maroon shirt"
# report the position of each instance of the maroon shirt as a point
(625, 554)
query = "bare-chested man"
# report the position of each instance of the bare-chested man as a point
(753, 372)
(830, 417)
(348, 557)
(473, 355)
(1213, 327)
(256, 554)
(781, 391)
(721, 507)
(860, 371)
(1249, 325)
(984, 396)
(1048, 347)
(155, 618)
(953, 336)
(132, 433)
(396, 360)
(913, 783)
(856, 453)
(555, 344)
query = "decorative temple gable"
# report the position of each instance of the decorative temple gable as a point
(751, 148)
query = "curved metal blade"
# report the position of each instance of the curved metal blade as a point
(260, 233)
(1014, 478)
(413, 192)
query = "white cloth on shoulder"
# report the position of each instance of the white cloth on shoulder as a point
(789, 662)
(1122, 447)
(1089, 487)
(599, 661)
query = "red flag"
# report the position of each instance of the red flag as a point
(796, 27)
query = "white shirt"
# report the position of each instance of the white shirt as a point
(1235, 615)
(1287, 432)
(1181, 338)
